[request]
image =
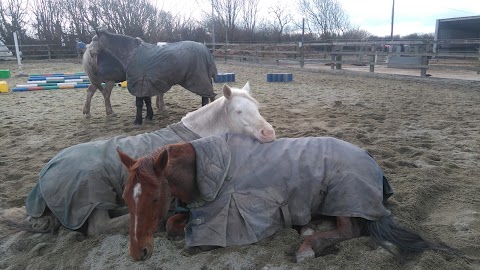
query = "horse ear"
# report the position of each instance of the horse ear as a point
(227, 91)
(101, 30)
(160, 163)
(126, 159)
(246, 87)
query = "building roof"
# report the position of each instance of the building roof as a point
(465, 23)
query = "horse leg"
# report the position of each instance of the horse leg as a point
(99, 222)
(204, 101)
(86, 108)
(176, 225)
(346, 228)
(148, 104)
(138, 116)
(212, 99)
(160, 102)
(107, 91)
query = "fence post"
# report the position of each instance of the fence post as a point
(333, 57)
(49, 54)
(302, 55)
(478, 71)
(423, 71)
(225, 52)
(372, 59)
(276, 56)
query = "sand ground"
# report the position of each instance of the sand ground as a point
(424, 132)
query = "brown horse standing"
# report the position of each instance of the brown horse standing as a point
(174, 171)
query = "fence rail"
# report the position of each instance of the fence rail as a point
(46, 51)
(457, 54)
(442, 54)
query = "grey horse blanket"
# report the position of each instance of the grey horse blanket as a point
(90, 175)
(109, 68)
(155, 69)
(250, 190)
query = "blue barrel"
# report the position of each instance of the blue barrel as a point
(219, 78)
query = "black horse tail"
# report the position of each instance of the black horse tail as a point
(386, 230)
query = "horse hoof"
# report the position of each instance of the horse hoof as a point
(304, 255)
(307, 231)
(112, 115)
(87, 115)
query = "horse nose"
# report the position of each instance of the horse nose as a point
(144, 254)
(268, 134)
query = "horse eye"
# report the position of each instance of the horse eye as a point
(156, 200)
(239, 112)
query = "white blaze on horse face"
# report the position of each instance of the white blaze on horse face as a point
(137, 190)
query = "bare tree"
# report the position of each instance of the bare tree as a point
(49, 21)
(282, 17)
(325, 18)
(12, 19)
(129, 17)
(250, 15)
(228, 12)
(77, 12)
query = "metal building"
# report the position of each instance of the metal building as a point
(457, 28)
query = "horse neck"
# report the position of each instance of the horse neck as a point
(182, 173)
(209, 120)
(124, 54)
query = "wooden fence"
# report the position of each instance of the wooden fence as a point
(421, 55)
(46, 51)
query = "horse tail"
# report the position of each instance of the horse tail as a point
(16, 219)
(386, 230)
(211, 60)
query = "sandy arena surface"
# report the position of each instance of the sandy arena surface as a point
(424, 132)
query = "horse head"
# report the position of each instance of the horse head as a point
(152, 181)
(122, 47)
(236, 111)
(243, 115)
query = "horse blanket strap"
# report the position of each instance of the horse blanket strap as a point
(279, 184)
(283, 206)
(94, 182)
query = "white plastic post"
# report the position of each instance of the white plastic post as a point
(19, 57)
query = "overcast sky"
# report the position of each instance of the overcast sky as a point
(374, 16)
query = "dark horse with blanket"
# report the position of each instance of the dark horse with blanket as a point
(240, 191)
(151, 70)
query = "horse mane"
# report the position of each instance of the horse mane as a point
(144, 167)
(243, 93)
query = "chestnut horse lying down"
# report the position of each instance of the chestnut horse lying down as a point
(85, 181)
(240, 191)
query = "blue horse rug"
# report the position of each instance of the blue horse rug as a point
(90, 175)
(249, 190)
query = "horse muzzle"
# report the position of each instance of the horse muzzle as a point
(141, 254)
(266, 135)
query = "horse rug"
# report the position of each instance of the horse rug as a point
(90, 175)
(249, 190)
(109, 68)
(155, 69)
